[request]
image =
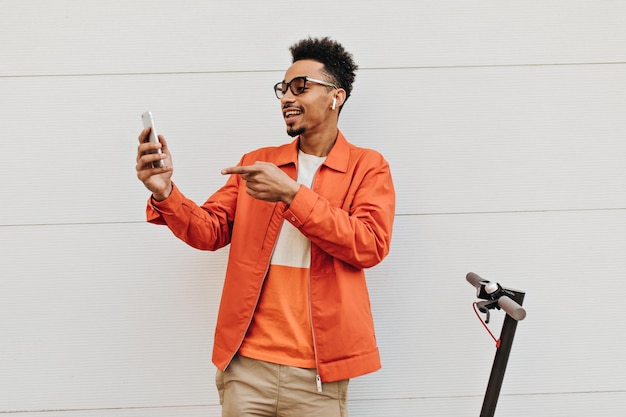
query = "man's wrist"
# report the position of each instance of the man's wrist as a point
(164, 195)
(290, 196)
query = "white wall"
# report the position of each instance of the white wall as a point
(504, 125)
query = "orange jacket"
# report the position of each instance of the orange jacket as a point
(348, 216)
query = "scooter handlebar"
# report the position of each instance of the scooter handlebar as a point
(474, 279)
(511, 308)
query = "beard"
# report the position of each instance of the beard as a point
(293, 132)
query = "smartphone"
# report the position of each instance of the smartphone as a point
(148, 121)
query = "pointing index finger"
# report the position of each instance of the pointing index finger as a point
(247, 169)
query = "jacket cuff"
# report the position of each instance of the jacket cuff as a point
(301, 207)
(157, 210)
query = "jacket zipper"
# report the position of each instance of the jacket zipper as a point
(318, 379)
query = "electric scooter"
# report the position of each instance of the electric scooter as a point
(497, 297)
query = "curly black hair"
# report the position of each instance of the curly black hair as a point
(338, 63)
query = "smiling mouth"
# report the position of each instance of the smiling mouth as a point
(291, 114)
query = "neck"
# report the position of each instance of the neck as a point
(318, 145)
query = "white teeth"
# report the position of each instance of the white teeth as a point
(291, 113)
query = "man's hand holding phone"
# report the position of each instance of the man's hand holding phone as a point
(154, 164)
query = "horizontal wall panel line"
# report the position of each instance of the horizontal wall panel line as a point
(76, 410)
(528, 394)
(141, 74)
(468, 213)
(425, 67)
(71, 224)
(450, 397)
(464, 213)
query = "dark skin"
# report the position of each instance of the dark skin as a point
(309, 114)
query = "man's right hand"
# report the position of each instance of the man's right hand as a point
(157, 180)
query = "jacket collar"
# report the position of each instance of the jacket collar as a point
(337, 158)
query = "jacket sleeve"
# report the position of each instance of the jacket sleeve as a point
(358, 232)
(206, 227)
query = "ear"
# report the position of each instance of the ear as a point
(339, 98)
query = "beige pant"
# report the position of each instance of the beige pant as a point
(250, 387)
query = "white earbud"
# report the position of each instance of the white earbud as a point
(334, 103)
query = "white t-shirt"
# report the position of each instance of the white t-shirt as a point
(292, 247)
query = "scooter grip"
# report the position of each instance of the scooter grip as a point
(511, 308)
(473, 279)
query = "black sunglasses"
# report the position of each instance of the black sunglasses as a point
(297, 86)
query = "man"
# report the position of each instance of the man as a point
(303, 220)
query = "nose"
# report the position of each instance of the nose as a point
(287, 98)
